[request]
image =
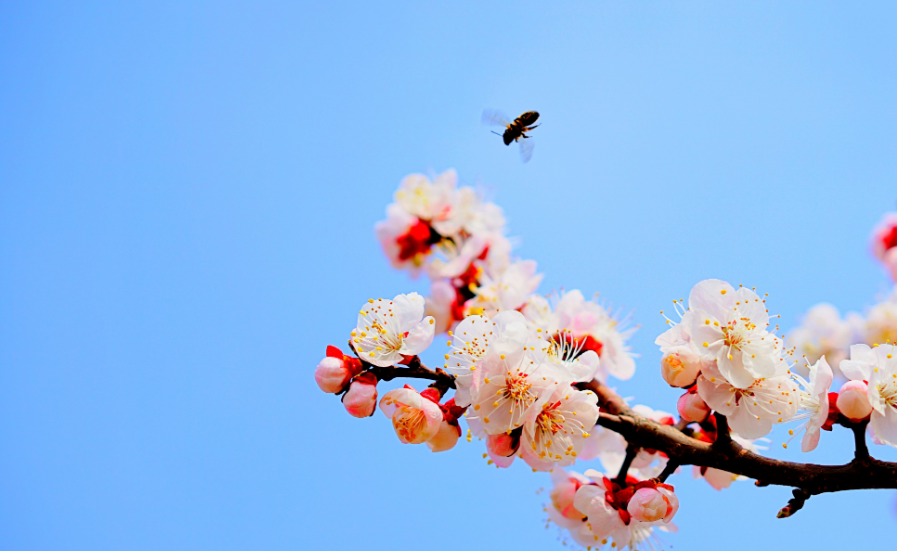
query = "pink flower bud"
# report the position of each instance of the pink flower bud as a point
(502, 444)
(680, 367)
(332, 375)
(692, 407)
(648, 505)
(336, 370)
(853, 401)
(672, 501)
(361, 398)
(445, 438)
(562, 498)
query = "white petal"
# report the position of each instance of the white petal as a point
(409, 309)
(419, 337)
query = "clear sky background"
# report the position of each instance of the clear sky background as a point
(187, 200)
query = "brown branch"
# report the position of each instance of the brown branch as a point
(670, 468)
(795, 504)
(813, 479)
(631, 452)
(859, 438)
(414, 370)
(723, 437)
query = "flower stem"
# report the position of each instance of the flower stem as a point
(631, 452)
(859, 439)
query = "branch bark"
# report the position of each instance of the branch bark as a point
(414, 370)
(863, 473)
(859, 474)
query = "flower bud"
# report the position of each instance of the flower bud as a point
(853, 401)
(502, 444)
(445, 438)
(680, 367)
(332, 375)
(672, 501)
(361, 398)
(336, 370)
(692, 407)
(648, 505)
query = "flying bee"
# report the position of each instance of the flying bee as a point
(515, 130)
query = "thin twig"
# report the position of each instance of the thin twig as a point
(631, 452)
(670, 468)
(859, 438)
(795, 504)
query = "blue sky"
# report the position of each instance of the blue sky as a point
(188, 199)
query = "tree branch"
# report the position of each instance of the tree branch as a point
(631, 452)
(813, 479)
(414, 370)
(859, 438)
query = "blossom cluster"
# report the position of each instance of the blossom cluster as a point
(723, 353)
(521, 364)
(458, 239)
(824, 332)
(596, 510)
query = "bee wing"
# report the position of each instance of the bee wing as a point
(526, 149)
(494, 117)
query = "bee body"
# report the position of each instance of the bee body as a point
(520, 126)
(514, 130)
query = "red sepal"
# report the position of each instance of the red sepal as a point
(334, 352)
(450, 412)
(366, 378)
(431, 394)
(889, 240)
(354, 365)
(833, 412)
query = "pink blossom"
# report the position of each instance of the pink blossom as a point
(445, 438)
(715, 477)
(415, 418)
(884, 243)
(650, 505)
(336, 370)
(692, 407)
(563, 493)
(680, 366)
(503, 444)
(853, 400)
(361, 398)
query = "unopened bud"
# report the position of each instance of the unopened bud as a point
(692, 407)
(361, 398)
(680, 367)
(853, 401)
(332, 375)
(648, 505)
(502, 444)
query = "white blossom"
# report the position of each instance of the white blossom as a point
(814, 404)
(729, 325)
(751, 411)
(878, 366)
(587, 324)
(388, 330)
(822, 332)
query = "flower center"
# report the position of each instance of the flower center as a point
(888, 393)
(517, 387)
(408, 422)
(550, 420)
